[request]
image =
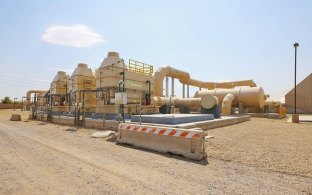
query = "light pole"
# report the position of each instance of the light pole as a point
(296, 45)
(14, 103)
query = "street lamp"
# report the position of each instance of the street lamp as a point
(22, 109)
(14, 103)
(296, 45)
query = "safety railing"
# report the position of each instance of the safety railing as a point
(139, 67)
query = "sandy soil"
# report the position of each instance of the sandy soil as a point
(269, 144)
(256, 157)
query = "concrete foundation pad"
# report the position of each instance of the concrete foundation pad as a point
(305, 118)
(172, 119)
(266, 115)
(210, 124)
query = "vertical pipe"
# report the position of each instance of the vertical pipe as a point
(123, 77)
(188, 91)
(295, 79)
(183, 90)
(199, 88)
(22, 104)
(84, 109)
(100, 78)
(172, 86)
(167, 86)
(149, 92)
(123, 90)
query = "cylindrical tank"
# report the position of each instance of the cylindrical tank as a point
(248, 96)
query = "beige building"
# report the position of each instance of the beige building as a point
(304, 97)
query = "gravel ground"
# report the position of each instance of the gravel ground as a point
(265, 143)
(41, 158)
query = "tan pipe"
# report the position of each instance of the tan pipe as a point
(184, 78)
(40, 93)
(272, 103)
(227, 104)
(188, 102)
(247, 96)
(206, 101)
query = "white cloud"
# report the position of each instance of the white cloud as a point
(75, 36)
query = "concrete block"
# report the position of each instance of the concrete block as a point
(112, 125)
(65, 120)
(16, 117)
(95, 123)
(295, 118)
(185, 142)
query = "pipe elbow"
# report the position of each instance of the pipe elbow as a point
(228, 98)
(227, 104)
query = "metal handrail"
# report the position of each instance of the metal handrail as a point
(140, 67)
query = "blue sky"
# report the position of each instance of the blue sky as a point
(212, 40)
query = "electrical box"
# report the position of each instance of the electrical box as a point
(120, 98)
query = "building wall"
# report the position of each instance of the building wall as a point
(304, 97)
(11, 106)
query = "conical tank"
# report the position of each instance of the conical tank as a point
(82, 78)
(59, 83)
(113, 59)
(61, 75)
(82, 70)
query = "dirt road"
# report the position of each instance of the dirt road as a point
(45, 158)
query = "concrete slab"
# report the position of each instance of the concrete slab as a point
(302, 118)
(209, 124)
(172, 119)
(266, 115)
(209, 137)
(305, 118)
(102, 134)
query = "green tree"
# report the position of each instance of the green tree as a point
(6, 100)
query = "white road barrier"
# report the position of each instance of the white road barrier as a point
(186, 142)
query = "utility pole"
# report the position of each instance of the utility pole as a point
(295, 116)
(296, 45)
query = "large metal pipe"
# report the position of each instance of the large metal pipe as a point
(183, 90)
(38, 93)
(248, 96)
(185, 78)
(167, 86)
(188, 91)
(172, 87)
(206, 101)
